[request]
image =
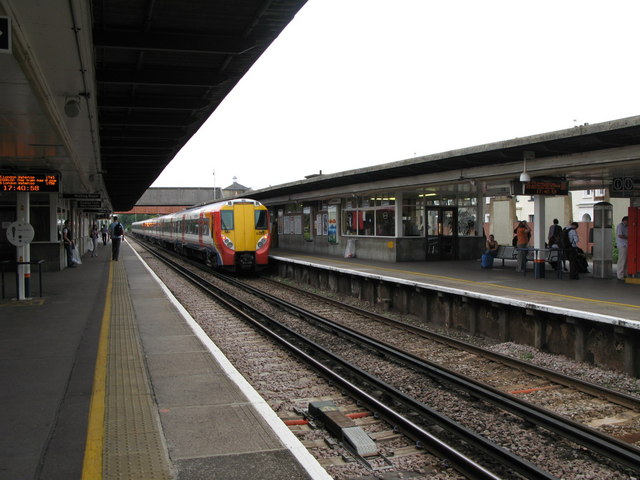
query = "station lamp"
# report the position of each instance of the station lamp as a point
(524, 176)
(72, 106)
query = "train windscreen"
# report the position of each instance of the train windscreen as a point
(261, 219)
(226, 219)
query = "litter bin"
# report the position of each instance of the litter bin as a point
(538, 268)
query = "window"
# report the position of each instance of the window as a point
(467, 213)
(226, 219)
(412, 216)
(204, 227)
(370, 216)
(261, 220)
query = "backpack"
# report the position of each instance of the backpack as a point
(118, 230)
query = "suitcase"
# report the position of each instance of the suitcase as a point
(486, 261)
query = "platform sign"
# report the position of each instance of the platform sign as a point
(82, 196)
(29, 182)
(625, 187)
(20, 234)
(5, 35)
(546, 186)
(89, 204)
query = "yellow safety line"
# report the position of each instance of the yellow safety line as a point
(483, 283)
(92, 464)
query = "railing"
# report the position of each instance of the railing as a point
(33, 262)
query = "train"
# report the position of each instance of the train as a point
(231, 235)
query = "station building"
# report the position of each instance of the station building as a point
(441, 206)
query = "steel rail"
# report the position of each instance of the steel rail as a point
(619, 398)
(439, 448)
(610, 447)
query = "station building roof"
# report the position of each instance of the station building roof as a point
(588, 156)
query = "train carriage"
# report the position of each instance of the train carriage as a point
(231, 235)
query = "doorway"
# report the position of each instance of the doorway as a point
(442, 233)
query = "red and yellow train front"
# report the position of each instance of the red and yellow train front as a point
(241, 235)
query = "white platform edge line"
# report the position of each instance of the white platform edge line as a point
(598, 317)
(288, 439)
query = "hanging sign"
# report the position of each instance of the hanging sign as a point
(89, 204)
(81, 196)
(29, 182)
(625, 187)
(546, 186)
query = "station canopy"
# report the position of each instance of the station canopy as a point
(107, 92)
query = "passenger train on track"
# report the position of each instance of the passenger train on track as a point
(232, 235)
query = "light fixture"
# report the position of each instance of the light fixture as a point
(72, 106)
(524, 176)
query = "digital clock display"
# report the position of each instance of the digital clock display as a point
(29, 182)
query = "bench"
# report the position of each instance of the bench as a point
(548, 255)
(506, 252)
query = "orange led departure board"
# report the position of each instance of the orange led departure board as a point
(29, 182)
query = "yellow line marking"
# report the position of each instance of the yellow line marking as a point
(92, 464)
(463, 280)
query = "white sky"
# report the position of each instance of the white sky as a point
(354, 83)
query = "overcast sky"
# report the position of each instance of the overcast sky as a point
(354, 83)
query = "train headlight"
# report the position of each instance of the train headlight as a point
(261, 243)
(228, 243)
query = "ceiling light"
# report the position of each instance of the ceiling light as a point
(524, 176)
(72, 106)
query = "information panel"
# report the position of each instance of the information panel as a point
(29, 182)
(546, 186)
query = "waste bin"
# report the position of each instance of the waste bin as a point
(538, 268)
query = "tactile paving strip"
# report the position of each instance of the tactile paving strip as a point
(133, 445)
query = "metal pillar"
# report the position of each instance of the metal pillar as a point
(23, 253)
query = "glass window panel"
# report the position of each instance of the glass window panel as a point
(467, 221)
(386, 222)
(226, 219)
(261, 219)
(412, 220)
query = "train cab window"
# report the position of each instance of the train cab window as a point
(261, 219)
(226, 219)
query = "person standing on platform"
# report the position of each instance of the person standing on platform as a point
(105, 232)
(622, 243)
(555, 234)
(523, 232)
(94, 240)
(67, 238)
(572, 250)
(554, 231)
(116, 232)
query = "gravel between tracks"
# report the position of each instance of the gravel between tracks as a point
(279, 382)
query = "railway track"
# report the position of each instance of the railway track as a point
(544, 378)
(396, 406)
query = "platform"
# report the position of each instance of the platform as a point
(105, 376)
(594, 297)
